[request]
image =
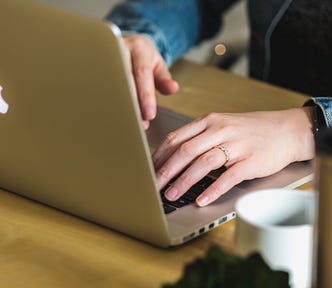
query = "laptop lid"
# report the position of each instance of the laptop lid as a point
(71, 137)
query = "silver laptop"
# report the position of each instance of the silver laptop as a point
(72, 136)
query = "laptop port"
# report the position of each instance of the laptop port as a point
(188, 237)
(222, 220)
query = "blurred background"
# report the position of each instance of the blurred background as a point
(230, 43)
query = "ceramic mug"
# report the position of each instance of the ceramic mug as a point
(278, 223)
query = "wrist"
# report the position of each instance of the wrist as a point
(303, 132)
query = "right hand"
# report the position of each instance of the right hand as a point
(150, 72)
(257, 144)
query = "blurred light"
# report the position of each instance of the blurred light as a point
(220, 49)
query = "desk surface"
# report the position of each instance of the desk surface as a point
(43, 247)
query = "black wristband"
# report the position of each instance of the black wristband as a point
(318, 119)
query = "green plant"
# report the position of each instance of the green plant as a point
(218, 269)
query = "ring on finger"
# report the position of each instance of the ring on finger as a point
(225, 150)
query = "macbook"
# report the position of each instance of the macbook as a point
(71, 134)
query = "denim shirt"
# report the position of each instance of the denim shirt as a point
(176, 26)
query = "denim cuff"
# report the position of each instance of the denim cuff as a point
(133, 26)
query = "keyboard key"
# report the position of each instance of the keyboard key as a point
(168, 209)
(205, 182)
(180, 203)
(188, 198)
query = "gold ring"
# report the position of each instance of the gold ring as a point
(225, 151)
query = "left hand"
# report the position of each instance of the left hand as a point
(149, 73)
(258, 144)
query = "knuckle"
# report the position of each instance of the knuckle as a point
(210, 116)
(233, 177)
(171, 139)
(185, 181)
(208, 160)
(127, 53)
(143, 95)
(205, 118)
(143, 70)
(164, 172)
(186, 150)
(137, 41)
(215, 190)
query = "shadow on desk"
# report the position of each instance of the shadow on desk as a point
(41, 246)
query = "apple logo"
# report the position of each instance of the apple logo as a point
(3, 105)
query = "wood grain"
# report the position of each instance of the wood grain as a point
(44, 247)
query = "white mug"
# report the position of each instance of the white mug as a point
(278, 223)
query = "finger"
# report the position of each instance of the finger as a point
(128, 63)
(234, 175)
(166, 86)
(184, 155)
(127, 59)
(174, 139)
(145, 124)
(163, 80)
(143, 74)
(210, 160)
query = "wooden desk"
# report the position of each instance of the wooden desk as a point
(43, 247)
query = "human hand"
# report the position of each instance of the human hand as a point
(149, 72)
(258, 144)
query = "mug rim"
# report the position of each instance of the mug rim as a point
(240, 215)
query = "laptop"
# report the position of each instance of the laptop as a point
(72, 135)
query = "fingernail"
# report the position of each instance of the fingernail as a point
(171, 193)
(203, 200)
(146, 125)
(150, 113)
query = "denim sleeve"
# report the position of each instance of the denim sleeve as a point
(325, 104)
(173, 25)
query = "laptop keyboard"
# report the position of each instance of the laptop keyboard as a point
(188, 198)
